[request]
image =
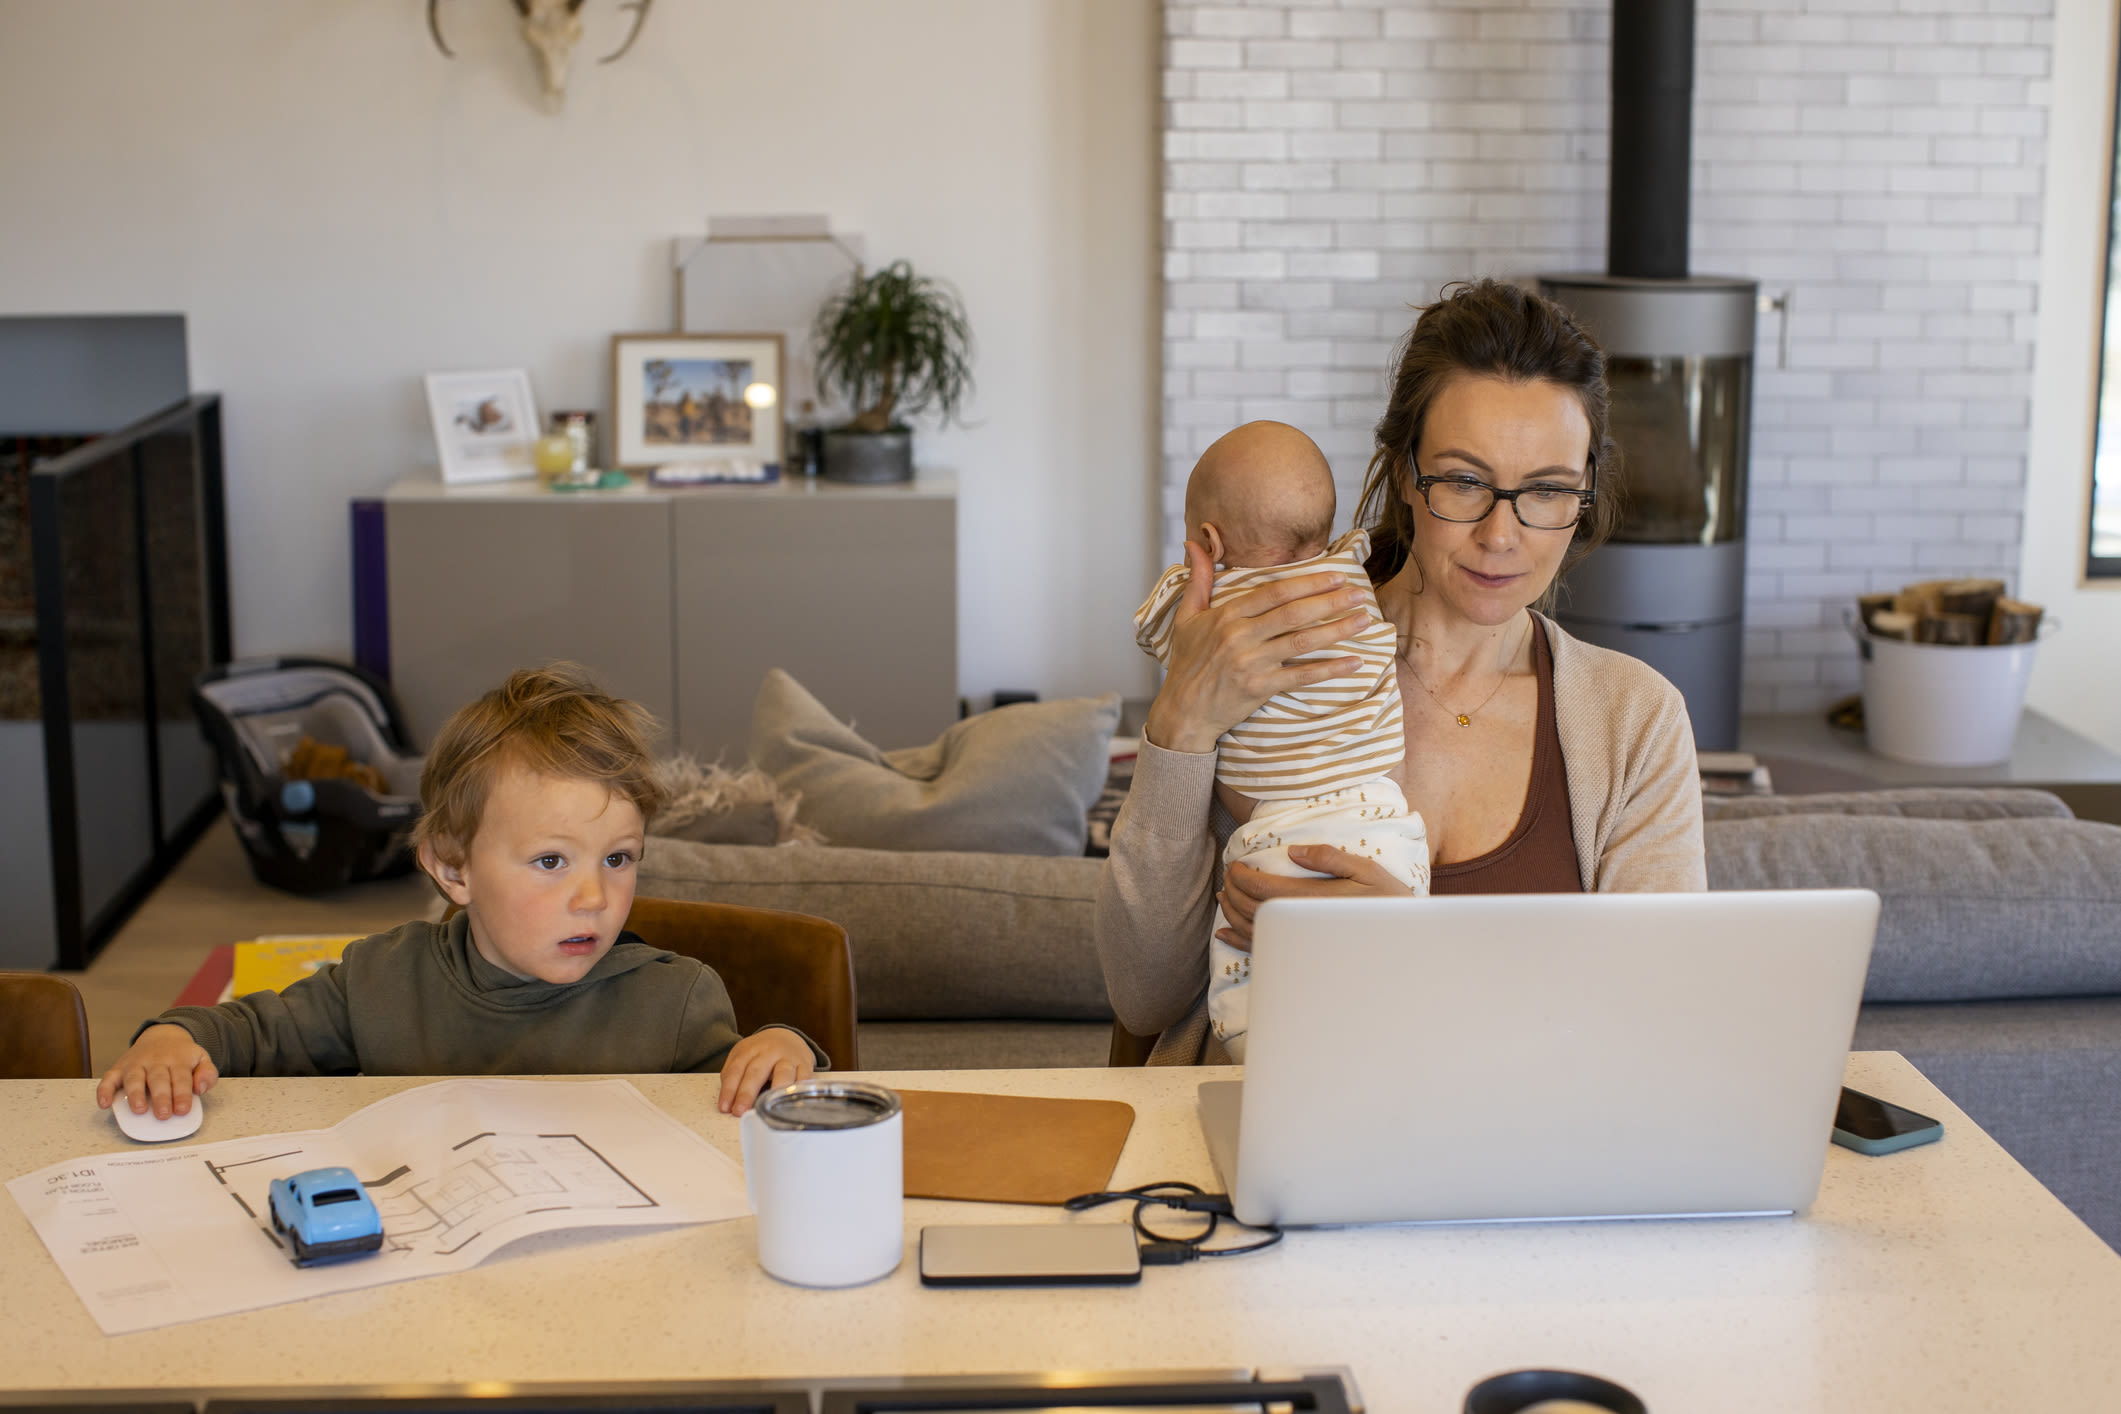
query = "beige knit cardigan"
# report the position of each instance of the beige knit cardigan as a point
(1634, 806)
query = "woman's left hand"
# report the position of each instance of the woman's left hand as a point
(1352, 876)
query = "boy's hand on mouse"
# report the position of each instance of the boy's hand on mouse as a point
(765, 1060)
(162, 1071)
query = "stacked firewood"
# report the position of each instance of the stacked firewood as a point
(1968, 612)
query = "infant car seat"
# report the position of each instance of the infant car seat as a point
(317, 769)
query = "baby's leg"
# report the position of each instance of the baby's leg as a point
(1229, 984)
(1230, 969)
(1371, 820)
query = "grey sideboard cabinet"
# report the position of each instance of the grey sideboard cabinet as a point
(681, 599)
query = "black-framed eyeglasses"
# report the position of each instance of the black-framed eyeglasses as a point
(1467, 500)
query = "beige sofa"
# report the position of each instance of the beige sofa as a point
(961, 961)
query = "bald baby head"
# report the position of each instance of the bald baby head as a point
(1261, 495)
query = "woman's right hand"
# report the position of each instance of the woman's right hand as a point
(1228, 659)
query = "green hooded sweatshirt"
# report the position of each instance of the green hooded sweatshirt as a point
(419, 1000)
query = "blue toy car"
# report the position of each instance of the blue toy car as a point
(326, 1215)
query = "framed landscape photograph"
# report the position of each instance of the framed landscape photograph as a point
(709, 403)
(485, 424)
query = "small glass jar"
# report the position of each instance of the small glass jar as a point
(554, 456)
(579, 428)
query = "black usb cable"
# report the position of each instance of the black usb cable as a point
(1164, 1249)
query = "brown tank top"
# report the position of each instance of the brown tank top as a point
(1539, 857)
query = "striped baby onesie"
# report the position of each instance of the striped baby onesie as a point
(1314, 760)
(1317, 739)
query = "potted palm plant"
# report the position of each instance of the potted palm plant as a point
(895, 345)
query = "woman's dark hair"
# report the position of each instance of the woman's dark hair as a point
(1488, 329)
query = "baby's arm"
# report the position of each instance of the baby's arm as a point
(164, 1067)
(1153, 620)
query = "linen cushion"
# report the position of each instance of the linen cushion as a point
(1016, 780)
(1973, 909)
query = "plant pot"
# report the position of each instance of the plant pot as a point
(868, 456)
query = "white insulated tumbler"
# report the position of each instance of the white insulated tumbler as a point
(825, 1172)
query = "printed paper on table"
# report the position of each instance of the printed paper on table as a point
(458, 1169)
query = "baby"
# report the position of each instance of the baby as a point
(1310, 762)
(537, 800)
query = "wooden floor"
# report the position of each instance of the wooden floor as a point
(211, 899)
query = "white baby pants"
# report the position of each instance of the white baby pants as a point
(1371, 818)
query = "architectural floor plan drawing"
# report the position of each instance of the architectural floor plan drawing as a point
(486, 1181)
(458, 1169)
(494, 1177)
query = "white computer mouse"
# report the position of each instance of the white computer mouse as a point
(149, 1130)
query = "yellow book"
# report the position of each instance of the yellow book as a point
(269, 964)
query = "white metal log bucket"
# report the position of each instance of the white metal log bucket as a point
(1941, 705)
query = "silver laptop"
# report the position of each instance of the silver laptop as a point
(1541, 1056)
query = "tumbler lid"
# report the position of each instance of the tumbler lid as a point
(828, 1104)
(1525, 1391)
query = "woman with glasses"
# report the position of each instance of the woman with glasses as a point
(1539, 763)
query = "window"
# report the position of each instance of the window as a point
(2103, 552)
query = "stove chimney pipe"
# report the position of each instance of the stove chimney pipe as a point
(1653, 121)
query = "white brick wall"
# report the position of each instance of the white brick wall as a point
(1327, 165)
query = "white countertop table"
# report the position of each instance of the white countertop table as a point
(1941, 1278)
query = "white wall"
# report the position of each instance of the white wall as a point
(2078, 678)
(1327, 167)
(338, 210)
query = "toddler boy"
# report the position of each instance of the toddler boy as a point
(537, 798)
(1311, 762)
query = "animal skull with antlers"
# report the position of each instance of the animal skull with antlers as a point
(551, 28)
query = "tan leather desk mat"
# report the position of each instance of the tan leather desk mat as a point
(1010, 1148)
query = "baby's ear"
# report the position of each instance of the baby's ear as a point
(444, 863)
(1212, 539)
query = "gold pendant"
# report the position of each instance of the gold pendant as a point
(1464, 720)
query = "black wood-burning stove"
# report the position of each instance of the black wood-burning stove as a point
(1670, 587)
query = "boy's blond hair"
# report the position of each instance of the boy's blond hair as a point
(551, 720)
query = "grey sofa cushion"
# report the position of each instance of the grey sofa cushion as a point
(1913, 803)
(984, 1045)
(1016, 780)
(936, 935)
(1973, 909)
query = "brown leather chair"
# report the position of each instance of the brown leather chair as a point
(1128, 1048)
(778, 966)
(43, 1028)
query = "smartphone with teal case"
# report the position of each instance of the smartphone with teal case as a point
(1870, 1125)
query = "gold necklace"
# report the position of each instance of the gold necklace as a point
(1464, 719)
